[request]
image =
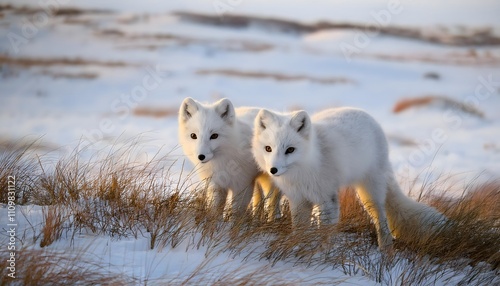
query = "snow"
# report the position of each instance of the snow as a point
(64, 111)
(133, 257)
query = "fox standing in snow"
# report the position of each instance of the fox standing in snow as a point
(217, 140)
(310, 159)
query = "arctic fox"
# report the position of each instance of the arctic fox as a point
(310, 159)
(217, 140)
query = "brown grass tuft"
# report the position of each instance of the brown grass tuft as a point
(407, 103)
(58, 11)
(484, 201)
(48, 267)
(471, 235)
(155, 112)
(162, 40)
(82, 75)
(275, 76)
(17, 159)
(45, 62)
(427, 100)
(54, 219)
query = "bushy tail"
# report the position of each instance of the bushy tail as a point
(408, 218)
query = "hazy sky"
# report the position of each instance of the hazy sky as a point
(446, 12)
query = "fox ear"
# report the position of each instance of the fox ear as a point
(188, 108)
(301, 123)
(263, 119)
(225, 109)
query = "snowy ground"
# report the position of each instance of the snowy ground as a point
(100, 75)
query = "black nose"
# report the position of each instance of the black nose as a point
(201, 157)
(274, 170)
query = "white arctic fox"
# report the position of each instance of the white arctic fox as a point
(310, 159)
(217, 140)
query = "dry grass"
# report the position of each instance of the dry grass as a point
(43, 267)
(468, 37)
(402, 140)
(115, 196)
(47, 62)
(18, 159)
(155, 112)
(54, 218)
(275, 76)
(59, 11)
(469, 58)
(428, 100)
(153, 41)
(474, 228)
(243, 276)
(81, 75)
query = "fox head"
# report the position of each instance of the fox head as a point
(281, 141)
(204, 129)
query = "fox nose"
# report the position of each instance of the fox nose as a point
(274, 170)
(201, 157)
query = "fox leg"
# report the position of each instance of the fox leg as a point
(301, 213)
(257, 200)
(329, 210)
(241, 200)
(372, 195)
(216, 199)
(273, 197)
(265, 200)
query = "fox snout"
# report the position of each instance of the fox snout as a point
(277, 171)
(205, 157)
(274, 170)
(203, 153)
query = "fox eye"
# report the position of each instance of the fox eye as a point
(193, 136)
(268, 149)
(214, 136)
(289, 150)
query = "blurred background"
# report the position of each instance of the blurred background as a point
(102, 72)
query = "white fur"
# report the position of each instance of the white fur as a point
(227, 162)
(333, 149)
